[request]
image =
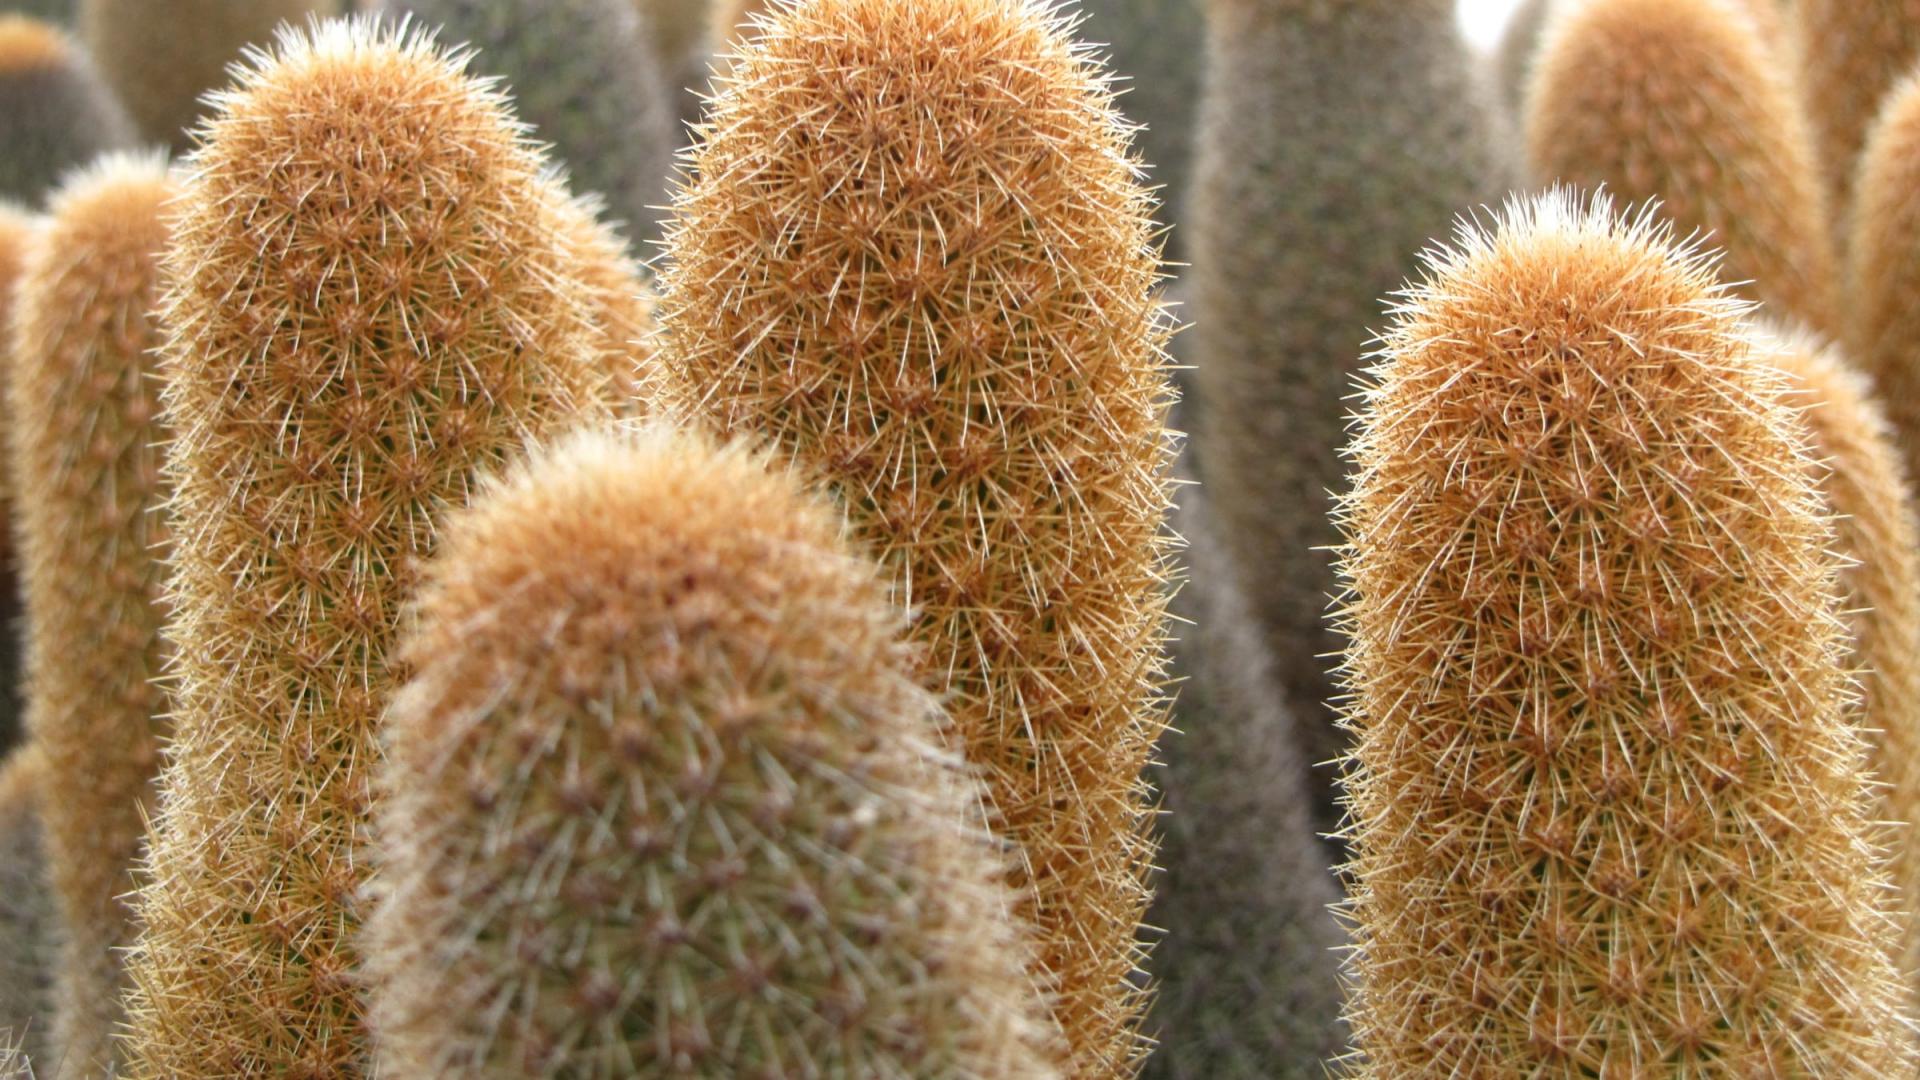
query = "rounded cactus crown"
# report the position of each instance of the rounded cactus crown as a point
(666, 741)
(27, 44)
(1608, 811)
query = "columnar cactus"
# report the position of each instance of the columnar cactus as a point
(1883, 270)
(163, 57)
(913, 255)
(82, 437)
(1855, 52)
(1684, 101)
(1519, 47)
(26, 910)
(55, 112)
(1866, 486)
(365, 302)
(18, 230)
(622, 304)
(663, 779)
(1608, 810)
(584, 75)
(1248, 972)
(1372, 134)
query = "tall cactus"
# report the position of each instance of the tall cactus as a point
(1855, 52)
(18, 231)
(1685, 101)
(365, 301)
(82, 449)
(664, 780)
(162, 58)
(1866, 486)
(1883, 267)
(26, 911)
(55, 112)
(1336, 138)
(1608, 810)
(913, 254)
(582, 73)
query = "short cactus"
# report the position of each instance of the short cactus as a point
(364, 302)
(967, 344)
(1373, 134)
(696, 822)
(55, 112)
(1247, 972)
(1865, 482)
(163, 57)
(1684, 101)
(583, 74)
(26, 911)
(1883, 271)
(1855, 52)
(18, 231)
(1608, 812)
(82, 435)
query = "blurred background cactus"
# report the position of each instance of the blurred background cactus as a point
(26, 915)
(55, 112)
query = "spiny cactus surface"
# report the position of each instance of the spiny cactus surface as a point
(1883, 267)
(621, 302)
(1855, 52)
(364, 303)
(1335, 140)
(914, 256)
(83, 451)
(1608, 809)
(55, 112)
(1684, 101)
(665, 781)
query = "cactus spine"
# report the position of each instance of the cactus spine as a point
(1373, 134)
(582, 73)
(364, 302)
(55, 112)
(967, 344)
(1873, 506)
(1855, 52)
(1883, 272)
(1684, 101)
(1608, 812)
(697, 822)
(82, 449)
(162, 57)
(26, 911)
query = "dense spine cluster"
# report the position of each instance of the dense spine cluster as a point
(1608, 811)
(1336, 138)
(55, 112)
(664, 780)
(1865, 483)
(364, 303)
(26, 914)
(1684, 101)
(82, 447)
(1883, 267)
(914, 256)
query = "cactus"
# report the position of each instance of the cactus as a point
(1608, 813)
(53, 11)
(1883, 271)
(733, 19)
(163, 57)
(1248, 974)
(1373, 133)
(581, 72)
(1854, 53)
(1866, 488)
(55, 112)
(1519, 46)
(622, 304)
(678, 29)
(26, 910)
(18, 229)
(1683, 101)
(967, 344)
(82, 451)
(664, 737)
(364, 302)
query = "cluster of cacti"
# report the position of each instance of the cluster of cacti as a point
(1607, 809)
(941, 301)
(352, 330)
(84, 441)
(1372, 134)
(1685, 101)
(664, 750)
(581, 73)
(55, 112)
